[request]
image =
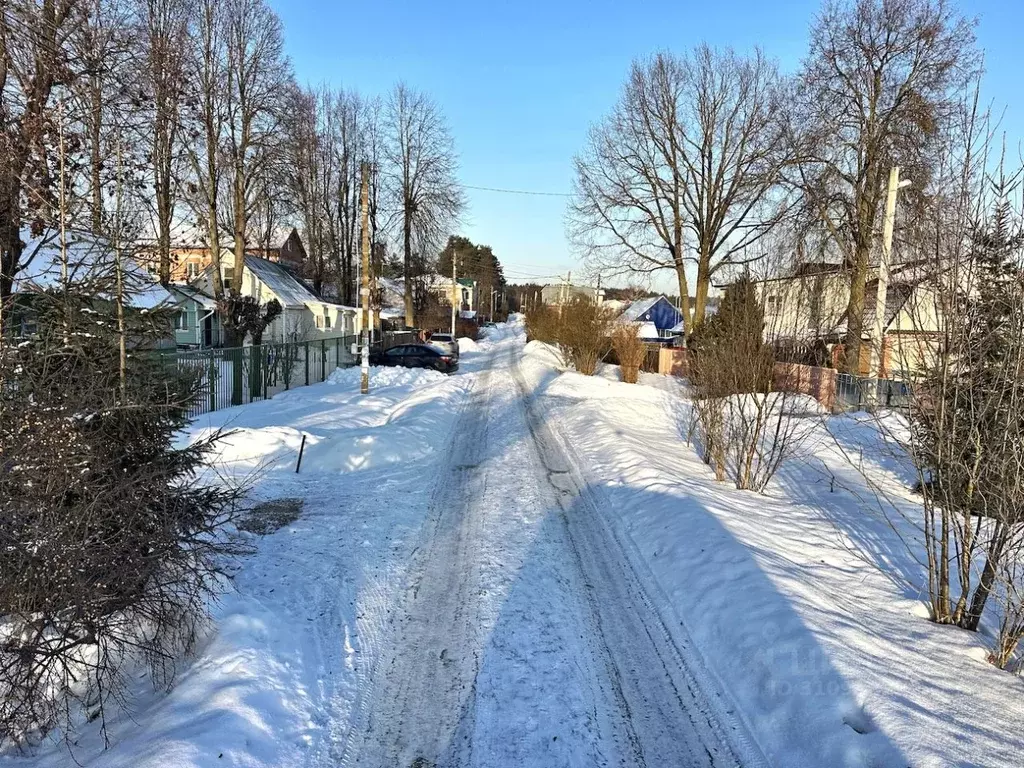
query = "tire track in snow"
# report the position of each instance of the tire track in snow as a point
(460, 669)
(667, 713)
(422, 682)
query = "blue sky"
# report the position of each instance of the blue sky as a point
(520, 82)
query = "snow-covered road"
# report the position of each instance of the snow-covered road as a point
(522, 566)
(523, 637)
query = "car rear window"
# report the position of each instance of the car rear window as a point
(441, 337)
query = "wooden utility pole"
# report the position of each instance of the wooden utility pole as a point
(364, 290)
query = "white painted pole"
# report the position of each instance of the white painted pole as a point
(881, 296)
(364, 290)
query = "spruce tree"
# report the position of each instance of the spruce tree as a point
(112, 545)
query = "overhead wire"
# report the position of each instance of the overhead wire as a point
(516, 192)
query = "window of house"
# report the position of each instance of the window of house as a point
(181, 321)
(320, 321)
(327, 320)
(771, 304)
(192, 269)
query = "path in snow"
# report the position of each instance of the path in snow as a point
(523, 637)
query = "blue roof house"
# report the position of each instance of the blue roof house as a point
(659, 320)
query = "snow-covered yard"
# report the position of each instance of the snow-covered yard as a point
(280, 663)
(802, 602)
(482, 565)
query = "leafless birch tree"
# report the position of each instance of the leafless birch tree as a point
(206, 68)
(257, 76)
(163, 40)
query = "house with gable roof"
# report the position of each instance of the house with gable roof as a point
(660, 321)
(304, 315)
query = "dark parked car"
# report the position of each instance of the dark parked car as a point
(416, 356)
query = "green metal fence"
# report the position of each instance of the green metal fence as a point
(240, 375)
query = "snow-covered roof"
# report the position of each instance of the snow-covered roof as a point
(282, 283)
(679, 327)
(86, 263)
(318, 304)
(638, 308)
(648, 330)
(191, 292)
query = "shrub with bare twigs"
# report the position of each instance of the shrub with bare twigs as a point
(583, 330)
(629, 349)
(542, 324)
(748, 426)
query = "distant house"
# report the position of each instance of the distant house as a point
(88, 264)
(197, 324)
(810, 307)
(304, 315)
(463, 291)
(557, 294)
(189, 262)
(659, 320)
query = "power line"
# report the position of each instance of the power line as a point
(516, 191)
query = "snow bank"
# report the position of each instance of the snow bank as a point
(467, 345)
(300, 620)
(387, 376)
(803, 603)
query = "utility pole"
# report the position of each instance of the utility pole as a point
(881, 295)
(364, 290)
(455, 294)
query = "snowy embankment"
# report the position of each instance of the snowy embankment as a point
(290, 637)
(801, 602)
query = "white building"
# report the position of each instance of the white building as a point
(303, 315)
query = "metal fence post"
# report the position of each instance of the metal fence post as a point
(323, 359)
(214, 374)
(305, 359)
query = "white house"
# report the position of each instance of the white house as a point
(303, 314)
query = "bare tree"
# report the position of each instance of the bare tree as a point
(256, 77)
(163, 40)
(33, 58)
(691, 155)
(99, 42)
(881, 78)
(421, 168)
(206, 72)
